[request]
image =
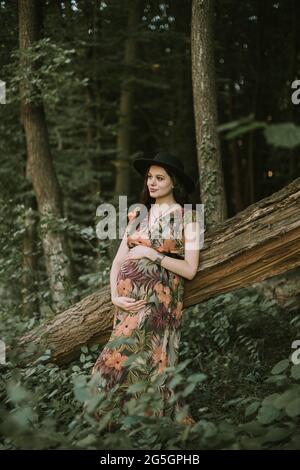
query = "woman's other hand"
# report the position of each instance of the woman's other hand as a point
(128, 304)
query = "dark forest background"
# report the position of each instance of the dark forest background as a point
(94, 85)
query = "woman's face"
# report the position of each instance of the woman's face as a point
(158, 181)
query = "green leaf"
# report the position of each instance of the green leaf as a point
(210, 430)
(284, 399)
(131, 420)
(79, 381)
(293, 408)
(81, 393)
(182, 365)
(87, 365)
(269, 400)
(199, 377)
(251, 409)
(53, 393)
(82, 357)
(295, 371)
(93, 403)
(254, 427)
(244, 129)
(23, 416)
(176, 380)
(43, 358)
(267, 414)
(278, 379)
(131, 360)
(189, 389)
(138, 387)
(87, 441)
(237, 123)
(116, 342)
(284, 135)
(17, 393)
(280, 366)
(276, 434)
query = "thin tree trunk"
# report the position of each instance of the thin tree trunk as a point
(205, 110)
(40, 170)
(30, 270)
(260, 242)
(122, 162)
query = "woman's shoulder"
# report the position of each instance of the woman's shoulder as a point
(133, 213)
(134, 219)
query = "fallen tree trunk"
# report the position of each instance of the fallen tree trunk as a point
(258, 243)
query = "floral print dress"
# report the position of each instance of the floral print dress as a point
(144, 343)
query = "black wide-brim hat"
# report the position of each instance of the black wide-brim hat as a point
(167, 161)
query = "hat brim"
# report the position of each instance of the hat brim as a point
(141, 165)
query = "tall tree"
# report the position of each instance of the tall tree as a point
(205, 110)
(40, 170)
(30, 303)
(126, 100)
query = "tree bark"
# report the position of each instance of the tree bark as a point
(258, 243)
(40, 169)
(205, 110)
(30, 303)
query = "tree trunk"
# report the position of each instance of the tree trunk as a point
(122, 162)
(40, 170)
(29, 280)
(258, 243)
(205, 110)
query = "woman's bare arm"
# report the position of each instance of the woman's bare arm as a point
(186, 268)
(125, 303)
(116, 265)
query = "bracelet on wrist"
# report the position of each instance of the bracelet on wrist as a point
(159, 258)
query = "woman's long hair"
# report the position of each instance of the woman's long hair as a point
(179, 192)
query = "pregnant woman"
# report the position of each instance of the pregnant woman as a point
(147, 282)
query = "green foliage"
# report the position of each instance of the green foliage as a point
(46, 72)
(285, 135)
(242, 394)
(235, 373)
(240, 126)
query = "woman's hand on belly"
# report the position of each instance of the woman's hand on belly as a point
(128, 303)
(141, 251)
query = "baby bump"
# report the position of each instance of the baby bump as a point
(135, 274)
